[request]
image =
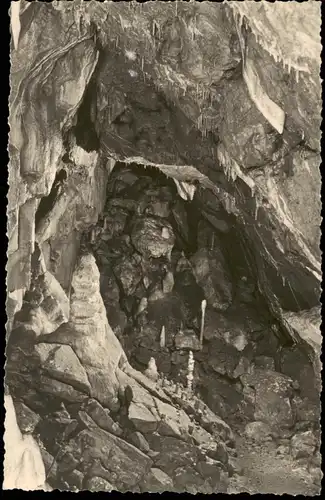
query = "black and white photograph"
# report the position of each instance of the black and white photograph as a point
(163, 274)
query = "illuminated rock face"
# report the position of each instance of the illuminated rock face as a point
(109, 102)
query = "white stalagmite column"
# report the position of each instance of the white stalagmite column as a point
(190, 371)
(203, 308)
(163, 337)
(151, 372)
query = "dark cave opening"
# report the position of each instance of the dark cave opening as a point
(48, 202)
(143, 291)
(150, 181)
(84, 130)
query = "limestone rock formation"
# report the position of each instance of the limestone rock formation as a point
(162, 156)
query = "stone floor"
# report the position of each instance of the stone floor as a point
(262, 471)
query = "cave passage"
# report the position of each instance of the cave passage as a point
(159, 257)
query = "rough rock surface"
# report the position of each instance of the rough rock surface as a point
(92, 402)
(162, 154)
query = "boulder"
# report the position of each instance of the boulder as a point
(142, 418)
(120, 459)
(217, 451)
(101, 416)
(273, 392)
(174, 453)
(190, 481)
(258, 432)
(244, 366)
(67, 463)
(210, 470)
(187, 340)
(153, 237)
(303, 445)
(173, 422)
(139, 441)
(225, 360)
(216, 426)
(201, 436)
(50, 386)
(27, 419)
(306, 410)
(61, 363)
(225, 328)
(74, 479)
(157, 481)
(98, 484)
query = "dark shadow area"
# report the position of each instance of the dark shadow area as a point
(48, 202)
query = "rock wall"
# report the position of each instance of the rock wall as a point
(106, 98)
(100, 424)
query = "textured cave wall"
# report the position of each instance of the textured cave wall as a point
(164, 85)
(162, 93)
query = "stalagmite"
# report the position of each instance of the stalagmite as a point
(212, 243)
(93, 235)
(162, 337)
(151, 372)
(203, 308)
(190, 370)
